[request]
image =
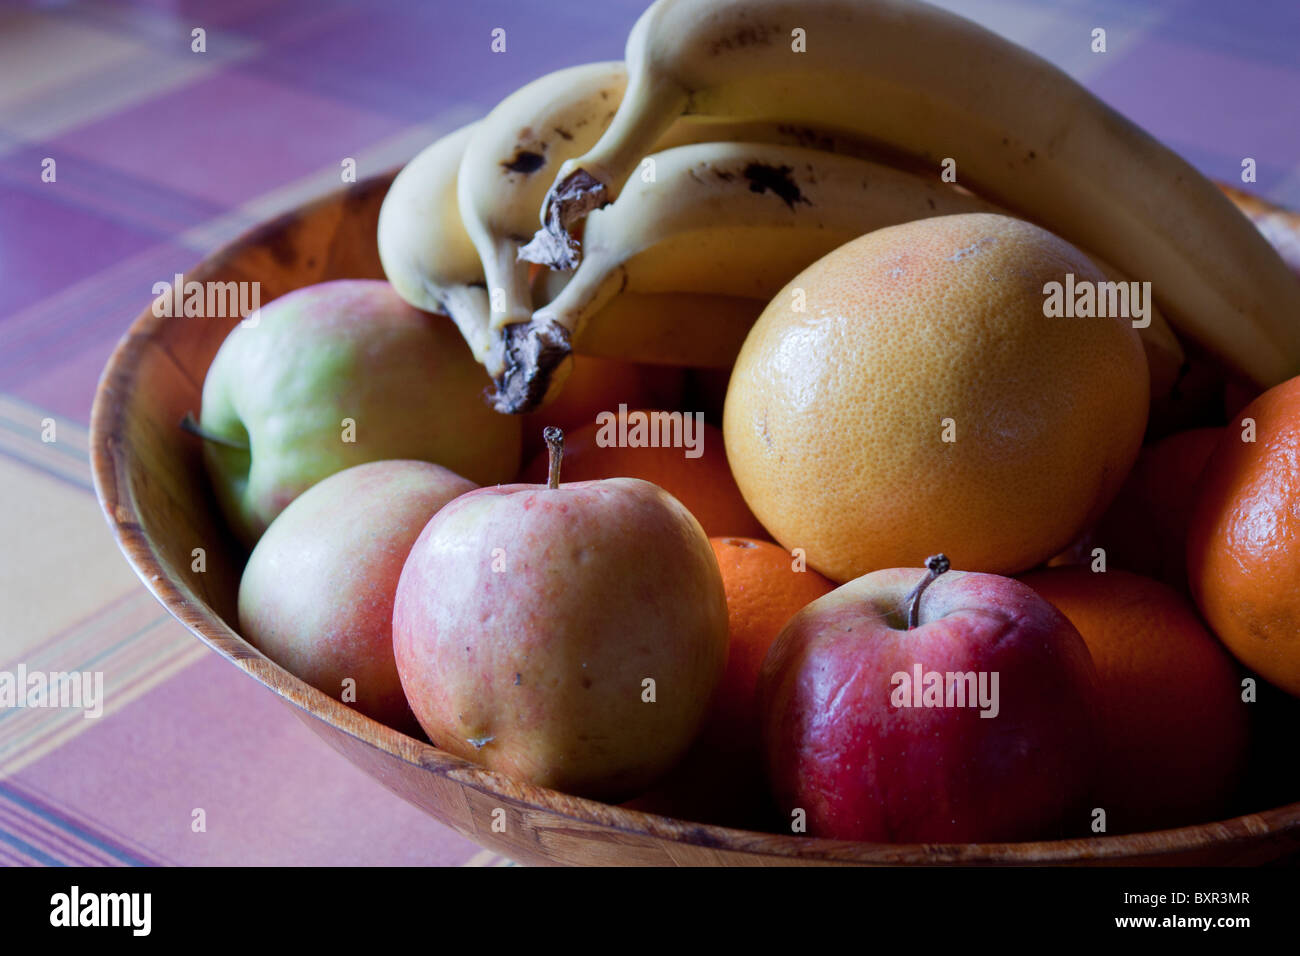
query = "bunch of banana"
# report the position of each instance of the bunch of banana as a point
(452, 225)
(921, 81)
(503, 173)
(680, 267)
(452, 222)
(430, 260)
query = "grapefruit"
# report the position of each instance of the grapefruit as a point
(907, 394)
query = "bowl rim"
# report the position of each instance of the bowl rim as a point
(110, 459)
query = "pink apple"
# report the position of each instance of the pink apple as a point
(570, 636)
(317, 593)
(977, 724)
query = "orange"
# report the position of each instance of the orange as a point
(703, 484)
(597, 384)
(764, 590)
(1243, 546)
(907, 395)
(1174, 726)
(1145, 530)
(721, 779)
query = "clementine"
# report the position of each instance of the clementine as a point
(1243, 545)
(765, 588)
(696, 476)
(721, 779)
(1174, 727)
(1145, 529)
(597, 384)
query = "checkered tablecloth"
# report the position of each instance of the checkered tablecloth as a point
(161, 154)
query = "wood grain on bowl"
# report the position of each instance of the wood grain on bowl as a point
(1281, 227)
(152, 486)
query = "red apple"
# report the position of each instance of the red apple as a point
(869, 752)
(317, 593)
(567, 635)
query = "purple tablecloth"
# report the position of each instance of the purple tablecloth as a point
(161, 154)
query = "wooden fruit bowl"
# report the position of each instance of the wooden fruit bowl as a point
(151, 483)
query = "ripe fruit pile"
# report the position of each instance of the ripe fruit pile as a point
(796, 608)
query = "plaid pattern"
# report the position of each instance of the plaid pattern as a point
(162, 154)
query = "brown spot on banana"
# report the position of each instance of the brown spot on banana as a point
(757, 34)
(776, 179)
(524, 161)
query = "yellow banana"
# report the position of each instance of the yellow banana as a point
(694, 329)
(430, 260)
(510, 160)
(668, 317)
(701, 330)
(936, 86)
(738, 221)
(505, 170)
(507, 165)
(426, 253)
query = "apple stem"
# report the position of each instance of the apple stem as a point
(194, 428)
(555, 450)
(935, 565)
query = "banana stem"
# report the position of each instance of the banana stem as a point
(594, 180)
(504, 271)
(566, 204)
(467, 306)
(532, 351)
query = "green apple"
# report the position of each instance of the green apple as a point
(336, 375)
